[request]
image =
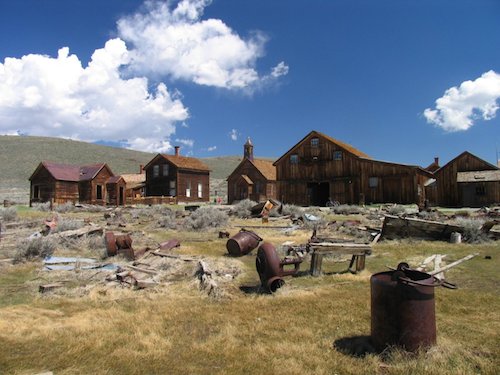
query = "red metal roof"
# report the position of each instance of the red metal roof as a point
(75, 173)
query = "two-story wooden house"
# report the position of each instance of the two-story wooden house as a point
(253, 178)
(319, 168)
(185, 179)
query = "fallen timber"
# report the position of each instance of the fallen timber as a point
(397, 227)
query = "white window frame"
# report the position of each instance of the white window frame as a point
(188, 189)
(200, 190)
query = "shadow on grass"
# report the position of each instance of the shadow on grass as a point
(253, 289)
(355, 346)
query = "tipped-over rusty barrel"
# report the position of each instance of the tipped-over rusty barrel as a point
(242, 243)
(119, 245)
(402, 308)
(270, 267)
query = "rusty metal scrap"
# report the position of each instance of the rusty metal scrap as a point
(271, 268)
(242, 243)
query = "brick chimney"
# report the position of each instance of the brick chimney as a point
(141, 168)
(177, 148)
(436, 160)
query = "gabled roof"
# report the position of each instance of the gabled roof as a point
(463, 154)
(434, 166)
(72, 173)
(341, 144)
(265, 167)
(134, 178)
(182, 162)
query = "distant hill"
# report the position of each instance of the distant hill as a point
(20, 155)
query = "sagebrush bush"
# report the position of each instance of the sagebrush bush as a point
(206, 217)
(292, 210)
(44, 207)
(8, 213)
(430, 216)
(396, 210)
(242, 209)
(65, 207)
(40, 247)
(167, 219)
(67, 224)
(472, 232)
(347, 209)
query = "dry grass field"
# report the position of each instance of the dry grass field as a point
(312, 325)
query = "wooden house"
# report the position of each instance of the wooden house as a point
(63, 183)
(319, 168)
(124, 189)
(467, 181)
(253, 178)
(184, 178)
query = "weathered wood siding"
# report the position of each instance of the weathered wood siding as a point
(48, 188)
(479, 194)
(116, 193)
(88, 190)
(448, 192)
(238, 189)
(161, 185)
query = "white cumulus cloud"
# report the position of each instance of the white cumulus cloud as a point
(176, 42)
(185, 142)
(47, 96)
(461, 106)
(233, 134)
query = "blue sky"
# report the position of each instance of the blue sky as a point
(402, 81)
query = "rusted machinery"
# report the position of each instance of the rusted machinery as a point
(242, 243)
(119, 245)
(402, 308)
(271, 268)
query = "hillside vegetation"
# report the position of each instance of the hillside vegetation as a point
(19, 156)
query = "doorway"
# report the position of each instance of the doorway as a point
(318, 193)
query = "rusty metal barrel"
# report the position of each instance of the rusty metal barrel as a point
(403, 309)
(242, 243)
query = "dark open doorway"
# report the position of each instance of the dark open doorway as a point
(318, 193)
(121, 196)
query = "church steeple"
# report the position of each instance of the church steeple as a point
(248, 150)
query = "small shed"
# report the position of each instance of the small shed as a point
(479, 188)
(183, 178)
(125, 188)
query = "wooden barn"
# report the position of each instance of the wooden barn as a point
(319, 168)
(467, 181)
(253, 178)
(63, 183)
(184, 178)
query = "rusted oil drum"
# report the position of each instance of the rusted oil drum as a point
(403, 309)
(267, 263)
(242, 243)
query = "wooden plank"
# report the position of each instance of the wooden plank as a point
(316, 262)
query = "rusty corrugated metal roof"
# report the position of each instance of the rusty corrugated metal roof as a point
(88, 172)
(74, 173)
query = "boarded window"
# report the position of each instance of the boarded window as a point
(373, 182)
(99, 192)
(294, 159)
(165, 169)
(188, 189)
(337, 155)
(156, 170)
(314, 142)
(200, 190)
(480, 190)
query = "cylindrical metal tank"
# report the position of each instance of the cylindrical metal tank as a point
(242, 243)
(403, 309)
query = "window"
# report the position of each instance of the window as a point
(172, 190)
(480, 190)
(188, 189)
(36, 191)
(314, 142)
(294, 159)
(99, 192)
(373, 182)
(200, 190)
(165, 169)
(337, 155)
(258, 187)
(156, 170)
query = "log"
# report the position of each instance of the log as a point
(396, 227)
(143, 270)
(85, 231)
(48, 287)
(143, 284)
